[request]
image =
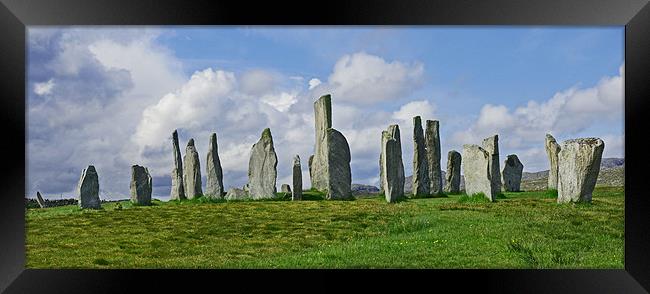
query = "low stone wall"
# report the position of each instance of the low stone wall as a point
(31, 203)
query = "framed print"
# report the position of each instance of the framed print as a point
(485, 144)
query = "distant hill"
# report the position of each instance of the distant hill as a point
(364, 189)
(611, 174)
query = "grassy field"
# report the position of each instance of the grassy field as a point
(522, 230)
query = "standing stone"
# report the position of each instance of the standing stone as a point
(192, 172)
(330, 167)
(432, 143)
(88, 189)
(420, 165)
(381, 160)
(476, 164)
(491, 145)
(140, 185)
(178, 188)
(311, 160)
(323, 122)
(214, 186)
(452, 178)
(296, 193)
(579, 165)
(262, 165)
(40, 200)
(392, 167)
(511, 174)
(236, 194)
(285, 188)
(552, 151)
(339, 174)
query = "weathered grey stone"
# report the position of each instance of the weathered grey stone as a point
(311, 160)
(421, 184)
(339, 174)
(579, 165)
(392, 167)
(323, 122)
(491, 145)
(192, 172)
(452, 179)
(262, 172)
(141, 185)
(511, 174)
(285, 188)
(214, 186)
(40, 200)
(178, 187)
(296, 192)
(330, 167)
(552, 151)
(476, 164)
(236, 194)
(88, 189)
(432, 144)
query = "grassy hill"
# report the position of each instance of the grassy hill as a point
(524, 230)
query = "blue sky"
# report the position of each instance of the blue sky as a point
(111, 96)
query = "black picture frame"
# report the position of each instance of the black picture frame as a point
(15, 15)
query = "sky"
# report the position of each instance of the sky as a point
(112, 96)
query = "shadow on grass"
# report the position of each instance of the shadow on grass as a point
(421, 196)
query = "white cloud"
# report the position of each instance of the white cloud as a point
(204, 95)
(313, 83)
(258, 82)
(281, 101)
(44, 88)
(414, 108)
(568, 114)
(365, 79)
(94, 104)
(153, 68)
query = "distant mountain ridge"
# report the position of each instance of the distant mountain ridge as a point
(605, 163)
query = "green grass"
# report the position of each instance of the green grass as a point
(522, 230)
(474, 198)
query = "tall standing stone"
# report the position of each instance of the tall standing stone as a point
(285, 188)
(511, 174)
(214, 186)
(420, 165)
(330, 167)
(88, 189)
(262, 172)
(476, 164)
(311, 176)
(452, 178)
(323, 122)
(178, 187)
(392, 167)
(432, 143)
(552, 151)
(141, 185)
(192, 172)
(40, 200)
(339, 179)
(579, 165)
(491, 145)
(296, 191)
